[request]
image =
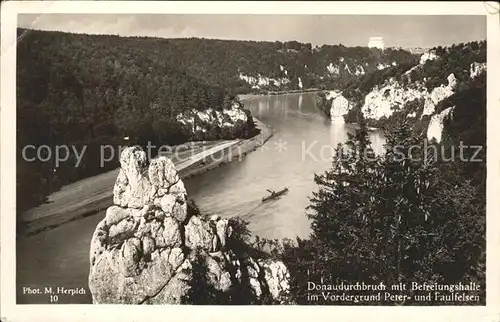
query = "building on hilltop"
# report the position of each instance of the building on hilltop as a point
(376, 42)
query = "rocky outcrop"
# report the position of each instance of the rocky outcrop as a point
(338, 65)
(333, 69)
(438, 94)
(147, 248)
(339, 106)
(202, 121)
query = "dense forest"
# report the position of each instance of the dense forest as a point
(220, 62)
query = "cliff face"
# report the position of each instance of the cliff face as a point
(414, 93)
(150, 250)
(330, 68)
(210, 123)
(339, 106)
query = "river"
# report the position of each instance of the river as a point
(301, 146)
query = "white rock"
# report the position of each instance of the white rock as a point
(255, 285)
(162, 173)
(148, 245)
(359, 70)
(427, 56)
(171, 232)
(277, 278)
(435, 129)
(333, 69)
(214, 217)
(224, 119)
(198, 234)
(476, 69)
(137, 255)
(346, 67)
(340, 107)
(132, 188)
(176, 258)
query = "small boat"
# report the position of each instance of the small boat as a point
(275, 194)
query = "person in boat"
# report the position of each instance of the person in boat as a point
(273, 193)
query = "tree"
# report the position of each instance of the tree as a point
(341, 214)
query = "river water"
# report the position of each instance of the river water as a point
(300, 147)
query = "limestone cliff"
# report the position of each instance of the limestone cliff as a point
(415, 92)
(150, 250)
(476, 69)
(383, 101)
(230, 122)
(320, 67)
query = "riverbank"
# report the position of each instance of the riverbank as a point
(92, 195)
(265, 93)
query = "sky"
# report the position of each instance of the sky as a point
(349, 30)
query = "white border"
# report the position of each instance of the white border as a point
(12, 312)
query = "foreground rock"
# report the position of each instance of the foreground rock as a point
(149, 250)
